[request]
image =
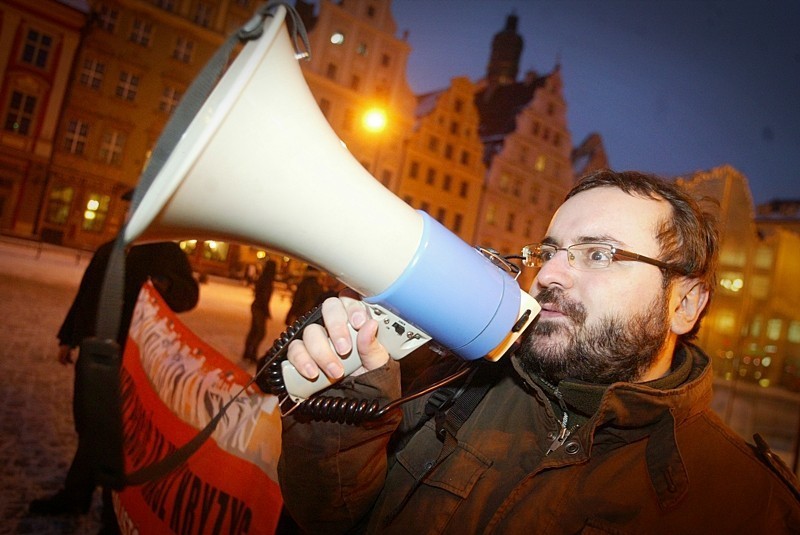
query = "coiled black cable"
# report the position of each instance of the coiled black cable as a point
(269, 377)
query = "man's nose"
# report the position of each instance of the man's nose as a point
(556, 271)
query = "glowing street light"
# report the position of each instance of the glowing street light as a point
(375, 120)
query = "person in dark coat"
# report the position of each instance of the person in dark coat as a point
(307, 295)
(259, 311)
(167, 266)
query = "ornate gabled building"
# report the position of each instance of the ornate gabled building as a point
(357, 65)
(442, 172)
(527, 147)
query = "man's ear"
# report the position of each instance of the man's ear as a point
(693, 298)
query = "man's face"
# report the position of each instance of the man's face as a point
(603, 325)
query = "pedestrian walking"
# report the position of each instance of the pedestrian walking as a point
(259, 311)
(306, 296)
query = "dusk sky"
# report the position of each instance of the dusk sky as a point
(672, 86)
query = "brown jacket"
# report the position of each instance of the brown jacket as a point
(648, 461)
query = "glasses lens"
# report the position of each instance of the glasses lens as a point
(591, 255)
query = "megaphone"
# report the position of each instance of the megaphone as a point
(259, 164)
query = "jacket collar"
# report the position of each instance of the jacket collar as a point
(629, 412)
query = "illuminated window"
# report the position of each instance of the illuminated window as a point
(188, 246)
(491, 214)
(725, 322)
(763, 258)
(793, 334)
(541, 163)
(95, 212)
(58, 204)
(774, 327)
(215, 250)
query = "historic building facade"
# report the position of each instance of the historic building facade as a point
(752, 329)
(38, 45)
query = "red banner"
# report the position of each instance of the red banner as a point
(173, 384)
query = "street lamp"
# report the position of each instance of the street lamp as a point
(375, 121)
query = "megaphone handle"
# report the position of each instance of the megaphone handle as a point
(397, 335)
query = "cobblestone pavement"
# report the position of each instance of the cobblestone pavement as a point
(37, 438)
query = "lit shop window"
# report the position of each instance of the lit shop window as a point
(94, 215)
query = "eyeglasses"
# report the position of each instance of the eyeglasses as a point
(588, 256)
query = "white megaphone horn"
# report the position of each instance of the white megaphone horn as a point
(259, 164)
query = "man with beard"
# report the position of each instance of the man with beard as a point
(599, 422)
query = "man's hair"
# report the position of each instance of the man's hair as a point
(688, 240)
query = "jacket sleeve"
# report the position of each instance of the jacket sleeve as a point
(330, 474)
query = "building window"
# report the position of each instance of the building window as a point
(36, 49)
(491, 214)
(58, 204)
(167, 5)
(447, 182)
(355, 83)
(458, 222)
(510, 221)
(535, 192)
(541, 162)
(94, 215)
(458, 105)
(556, 139)
(75, 139)
(448, 151)
(463, 190)
(348, 120)
(464, 157)
(454, 127)
(141, 32)
(793, 334)
(385, 60)
(111, 147)
(371, 12)
(21, 108)
(774, 327)
(330, 71)
(127, 86)
(92, 73)
(433, 143)
(425, 206)
(215, 250)
(184, 48)
(441, 213)
(169, 99)
(107, 18)
(362, 49)
(203, 14)
(413, 170)
(430, 179)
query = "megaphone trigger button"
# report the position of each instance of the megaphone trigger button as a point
(518, 326)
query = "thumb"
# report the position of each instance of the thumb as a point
(373, 354)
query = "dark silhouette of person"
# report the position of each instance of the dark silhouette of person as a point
(166, 265)
(306, 296)
(259, 311)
